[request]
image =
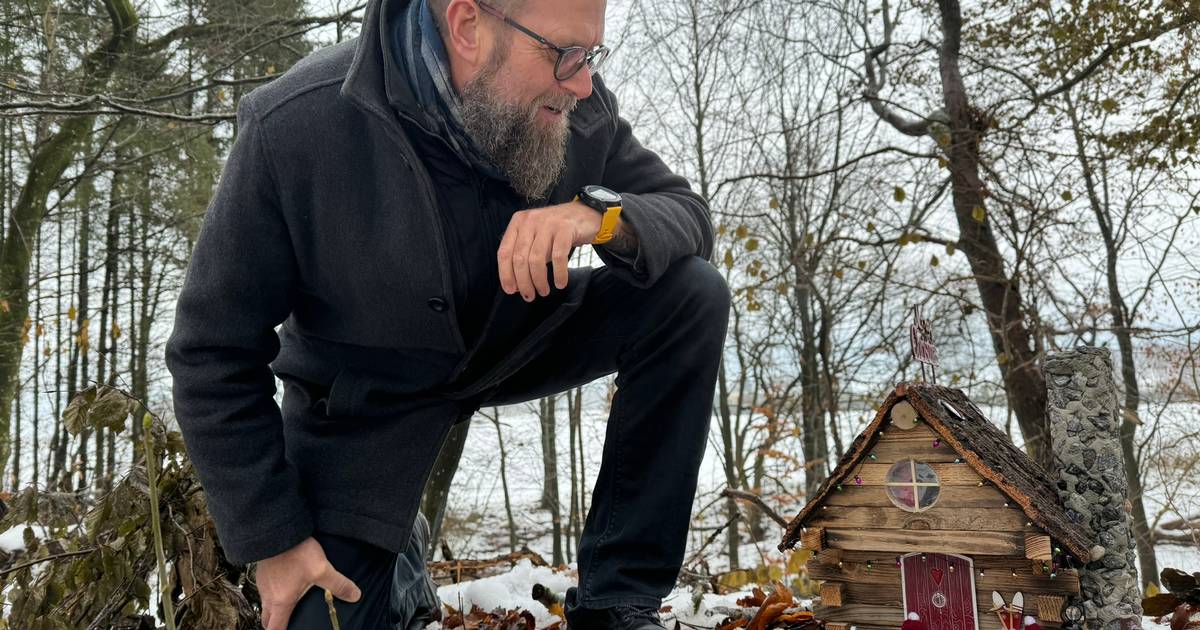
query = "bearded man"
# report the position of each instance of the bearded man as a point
(405, 205)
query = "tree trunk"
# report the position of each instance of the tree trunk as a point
(58, 441)
(16, 469)
(814, 439)
(1000, 294)
(508, 513)
(106, 358)
(136, 386)
(38, 331)
(725, 417)
(147, 300)
(547, 408)
(437, 489)
(106, 371)
(575, 519)
(79, 353)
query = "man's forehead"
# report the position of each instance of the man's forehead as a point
(566, 22)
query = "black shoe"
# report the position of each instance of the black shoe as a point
(614, 618)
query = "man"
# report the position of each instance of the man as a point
(405, 205)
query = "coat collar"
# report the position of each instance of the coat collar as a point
(374, 80)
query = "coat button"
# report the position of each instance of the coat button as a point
(437, 304)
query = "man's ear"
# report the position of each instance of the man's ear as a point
(465, 36)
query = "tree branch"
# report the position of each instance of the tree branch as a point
(876, 70)
(756, 500)
(823, 172)
(199, 30)
(59, 556)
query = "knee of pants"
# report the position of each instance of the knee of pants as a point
(697, 290)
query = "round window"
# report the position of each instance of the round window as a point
(912, 486)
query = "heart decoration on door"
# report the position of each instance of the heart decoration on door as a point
(939, 598)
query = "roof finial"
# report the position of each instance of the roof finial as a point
(923, 350)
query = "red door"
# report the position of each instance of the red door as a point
(941, 589)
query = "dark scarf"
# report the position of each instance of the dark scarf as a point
(417, 46)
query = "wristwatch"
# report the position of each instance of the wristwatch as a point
(607, 203)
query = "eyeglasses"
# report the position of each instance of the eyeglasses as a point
(571, 59)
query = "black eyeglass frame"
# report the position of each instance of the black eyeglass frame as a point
(592, 59)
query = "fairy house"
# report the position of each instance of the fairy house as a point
(934, 511)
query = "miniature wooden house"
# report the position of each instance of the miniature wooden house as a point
(934, 511)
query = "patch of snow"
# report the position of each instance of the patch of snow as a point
(511, 591)
(14, 539)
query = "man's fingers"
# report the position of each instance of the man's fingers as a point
(520, 263)
(559, 254)
(508, 281)
(338, 584)
(538, 257)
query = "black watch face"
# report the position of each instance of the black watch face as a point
(602, 194)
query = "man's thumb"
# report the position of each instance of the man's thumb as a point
(339, 585)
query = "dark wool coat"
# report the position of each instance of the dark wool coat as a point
(325, 221)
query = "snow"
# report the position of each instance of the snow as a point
(512, 591)
(13, 540)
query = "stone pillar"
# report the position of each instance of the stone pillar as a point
(1085, 433)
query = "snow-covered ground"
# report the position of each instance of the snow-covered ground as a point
(512, 591)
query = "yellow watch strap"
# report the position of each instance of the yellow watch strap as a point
(608, 225)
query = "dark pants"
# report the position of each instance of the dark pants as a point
(395, 587)
(664, 343)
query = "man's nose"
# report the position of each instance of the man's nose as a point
(580, 84)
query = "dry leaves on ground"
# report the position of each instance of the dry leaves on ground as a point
(776, 611)
(499, 619)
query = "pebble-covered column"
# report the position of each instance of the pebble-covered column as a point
(1085, 433)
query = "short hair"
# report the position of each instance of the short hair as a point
(439, 11)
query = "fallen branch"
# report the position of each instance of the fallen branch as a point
(453, 571)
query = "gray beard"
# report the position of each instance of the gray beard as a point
(530, 153)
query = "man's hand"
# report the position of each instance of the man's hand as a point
(539, 236)
(285, 578)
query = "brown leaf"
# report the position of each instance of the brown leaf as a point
(1182, 619)
(783, 593)
(1177, 581)
(766, 616)
(1159, 605)
(756, 598)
